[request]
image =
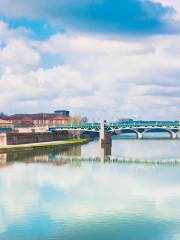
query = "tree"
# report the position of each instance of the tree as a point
(2, 114)
(75, 119)
(84, 120)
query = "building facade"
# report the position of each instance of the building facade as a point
(36, 120)
(47, 119)
(62, 113)
(6, 124)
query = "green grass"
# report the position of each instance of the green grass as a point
(31, 146)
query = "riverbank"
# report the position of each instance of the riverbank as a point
(32, 146)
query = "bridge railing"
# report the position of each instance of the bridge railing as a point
(76, 126)
(174, 124)
(4, 129)
(146, 124)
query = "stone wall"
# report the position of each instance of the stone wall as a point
(12, 138)
(32, 129)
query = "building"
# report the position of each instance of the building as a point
(49, 119)
(6, 124)
(62, 112)
(36, 120)
(20, 120)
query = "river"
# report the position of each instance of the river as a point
(70, 193)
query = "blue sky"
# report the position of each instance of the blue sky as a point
(89, 56)
(124, 16)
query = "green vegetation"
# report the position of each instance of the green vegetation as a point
(32, 146)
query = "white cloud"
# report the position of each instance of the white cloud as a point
(39, 88)
(16, 52)
(75, 43)
(8, 33)
(173, 3)
(18, 56)
(139, 74)
(125, 76)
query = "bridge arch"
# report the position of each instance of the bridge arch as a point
(173, 134)
(130, 130)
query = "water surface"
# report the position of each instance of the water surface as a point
(42, 196)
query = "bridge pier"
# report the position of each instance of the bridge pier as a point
(104, 137)
(139, 135)
(105, 150)
(173, 135)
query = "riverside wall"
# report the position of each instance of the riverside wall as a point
(12, 138)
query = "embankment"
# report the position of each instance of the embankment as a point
(33, 146)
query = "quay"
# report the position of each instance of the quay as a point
(64, 133)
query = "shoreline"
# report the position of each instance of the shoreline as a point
(32, 146)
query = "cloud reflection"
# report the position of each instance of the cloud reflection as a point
(91, 191)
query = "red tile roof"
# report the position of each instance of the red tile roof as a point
(38, 116)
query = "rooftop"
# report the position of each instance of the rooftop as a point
(37, 116)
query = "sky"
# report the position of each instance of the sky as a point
(104, 59)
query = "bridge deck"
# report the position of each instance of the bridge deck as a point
(115, 126)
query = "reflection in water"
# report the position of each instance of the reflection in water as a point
(94, 200)
(105, 150)
(53, 155)
(3, 159)
(121, 149)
